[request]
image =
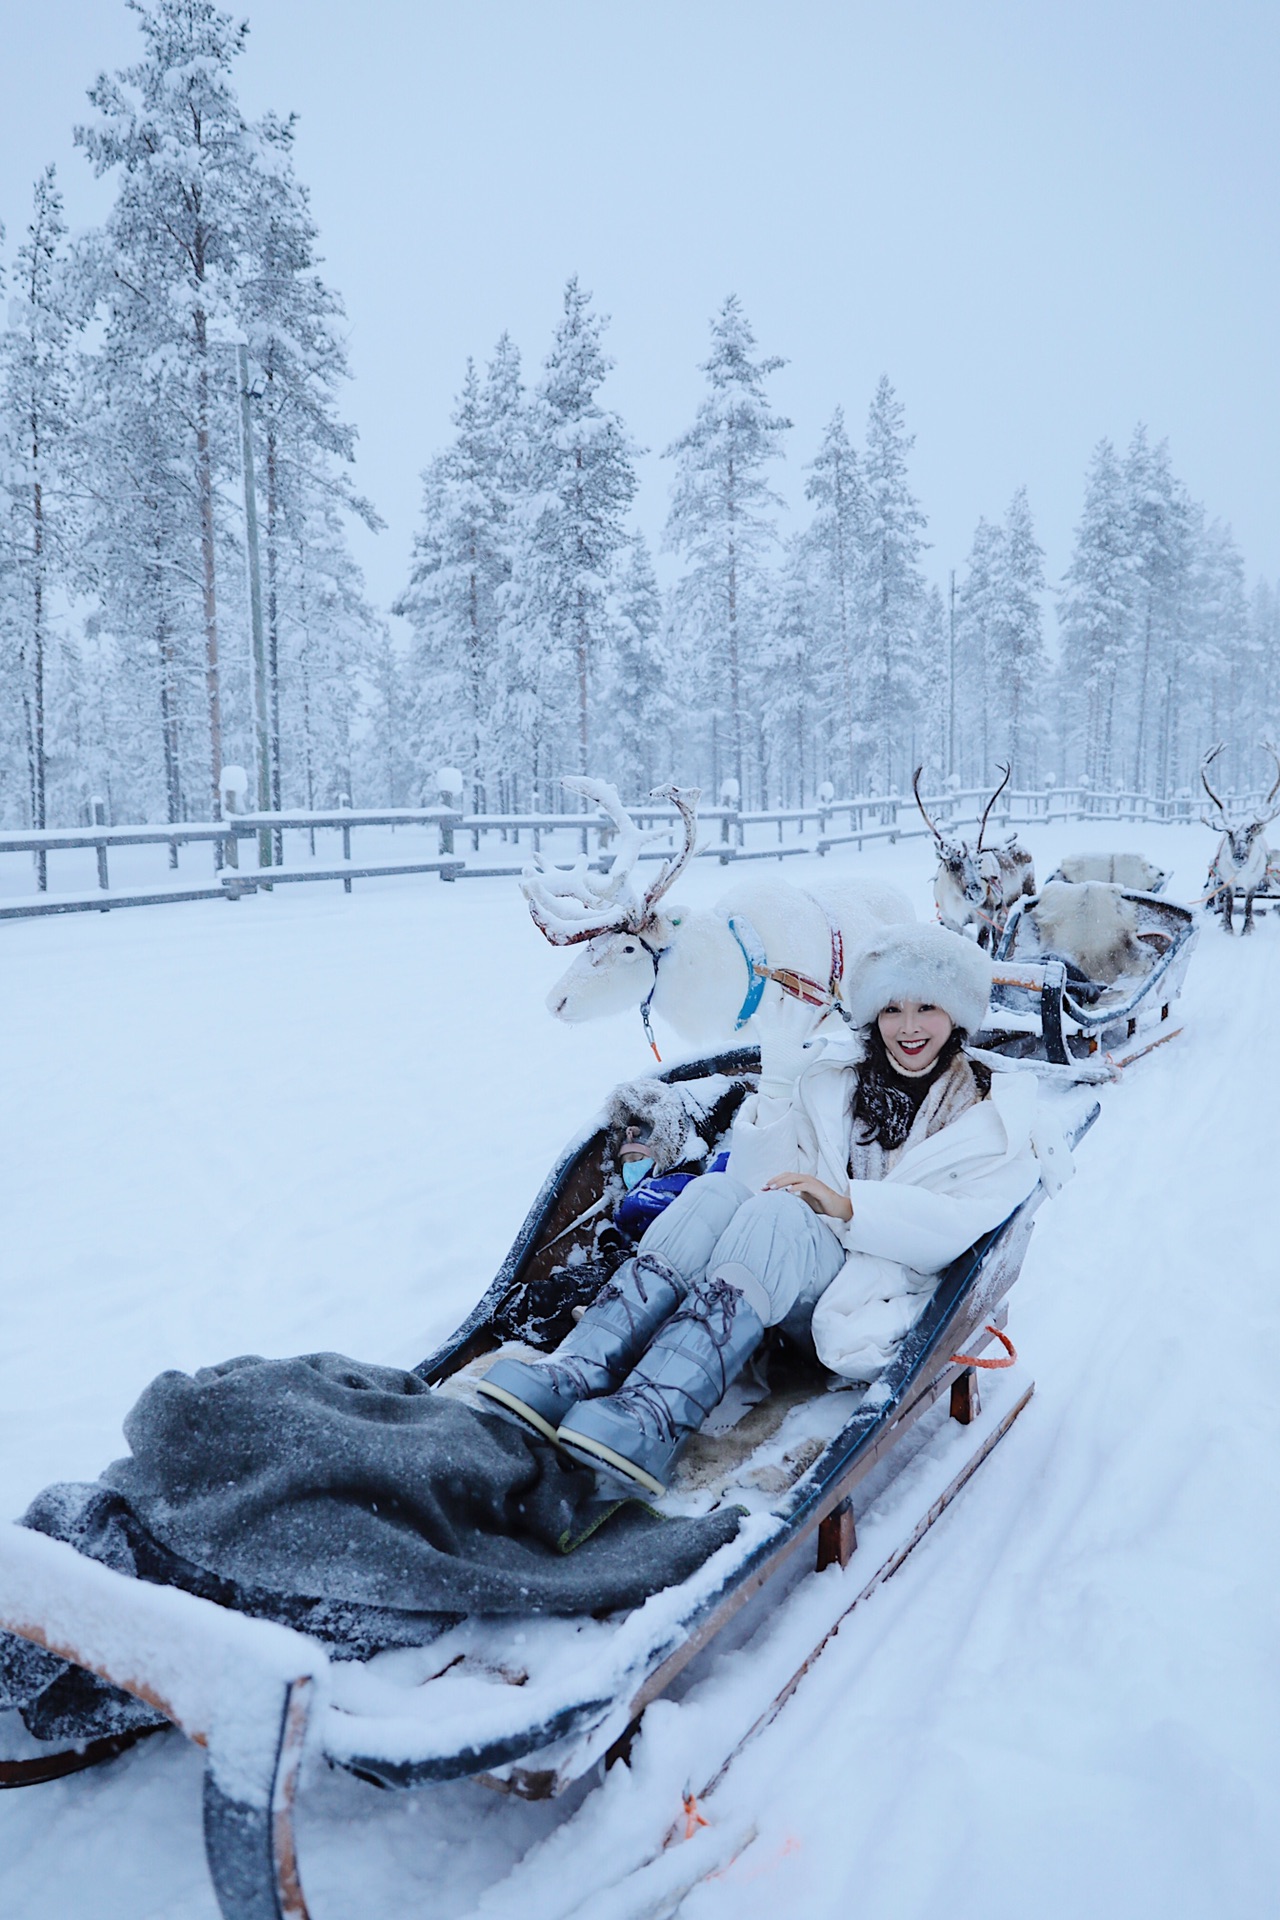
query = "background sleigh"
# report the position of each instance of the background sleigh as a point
(1049, 1004)
(845, 1482)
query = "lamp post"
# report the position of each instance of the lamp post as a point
(951, 679)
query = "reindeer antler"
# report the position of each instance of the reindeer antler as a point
(982, 827)
(571, 904)
(685, 801)
(915, 788)
(1205, 764)
(1276, 789)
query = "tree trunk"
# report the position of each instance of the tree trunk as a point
(735, 664)
(1140, 742)
(273, 616)
(581, 649)
(474, 664)
(169, 718)
(208, 561)
(846, 651)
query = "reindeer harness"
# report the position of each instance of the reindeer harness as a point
(556, 901)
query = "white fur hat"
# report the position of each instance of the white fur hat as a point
(922, 962)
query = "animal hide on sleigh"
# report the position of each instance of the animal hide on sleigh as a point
(1121, 869)
(1092, 924)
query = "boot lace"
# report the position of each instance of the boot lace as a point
(714, 1307)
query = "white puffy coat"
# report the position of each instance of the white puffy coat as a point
(937, 1198)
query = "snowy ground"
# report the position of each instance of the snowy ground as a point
(312, 1121)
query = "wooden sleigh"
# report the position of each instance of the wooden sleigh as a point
(843, 1482)
(1040, 1013)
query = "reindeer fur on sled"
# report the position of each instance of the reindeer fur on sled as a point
(1121, 869)
(1091, 922)
(632, 942)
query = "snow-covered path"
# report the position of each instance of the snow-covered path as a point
(309, 1122)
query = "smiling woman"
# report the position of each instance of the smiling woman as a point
(914, 1033)
(863, 1165)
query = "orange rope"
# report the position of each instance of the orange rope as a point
(976, 1360)
(692, 1818)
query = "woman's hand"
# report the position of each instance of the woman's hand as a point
(815, 1193)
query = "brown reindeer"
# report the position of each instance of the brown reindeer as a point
(975, 886)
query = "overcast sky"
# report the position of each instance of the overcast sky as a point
(1044, 219)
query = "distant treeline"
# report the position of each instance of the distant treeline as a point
(147, 366)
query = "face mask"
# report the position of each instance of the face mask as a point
(634, 1171)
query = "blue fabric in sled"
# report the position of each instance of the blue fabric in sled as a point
(653, 1196)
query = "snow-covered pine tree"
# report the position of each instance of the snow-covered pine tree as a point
(975, 618)
(1156, 512)
(1015, 646)
(933, 731)
(1094, 610)
(141, 560)
(834, 545)
(794, 715)
(892, 586)
(582, 482)
(723, 521)
(1224, 663)
(387, 773)
(461, 560)
(638, 702)
(333, 665)
(1264, 626)
(169, 128)
(36, 484)
(298, 364)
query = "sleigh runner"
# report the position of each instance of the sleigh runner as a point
(821, 1477)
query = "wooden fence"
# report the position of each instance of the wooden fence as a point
(264, 850)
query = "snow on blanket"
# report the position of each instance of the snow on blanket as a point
(319, 1479)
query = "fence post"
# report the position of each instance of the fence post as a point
(449, 788)
(234, 784)
(344, 800)
(99, 810)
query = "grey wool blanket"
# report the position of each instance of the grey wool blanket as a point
(352, 1502)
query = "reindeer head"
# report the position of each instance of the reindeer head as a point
(618, 928)
(972, 872)
(1240, 834)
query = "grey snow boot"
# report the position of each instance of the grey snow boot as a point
(694, 1358)
(599, 1353)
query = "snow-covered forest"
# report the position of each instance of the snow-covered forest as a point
(178, 485)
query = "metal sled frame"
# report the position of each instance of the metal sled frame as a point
(1071, 1029)
(150, 1640)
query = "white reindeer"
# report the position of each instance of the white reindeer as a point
(696, 967)
(975, 887)
(1241, 862)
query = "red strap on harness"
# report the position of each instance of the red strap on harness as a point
(800, 985)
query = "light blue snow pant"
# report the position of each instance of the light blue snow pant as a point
(772, 1246)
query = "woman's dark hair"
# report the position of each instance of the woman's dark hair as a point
(886, 1104)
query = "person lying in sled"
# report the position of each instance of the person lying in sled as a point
(866, 1163)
